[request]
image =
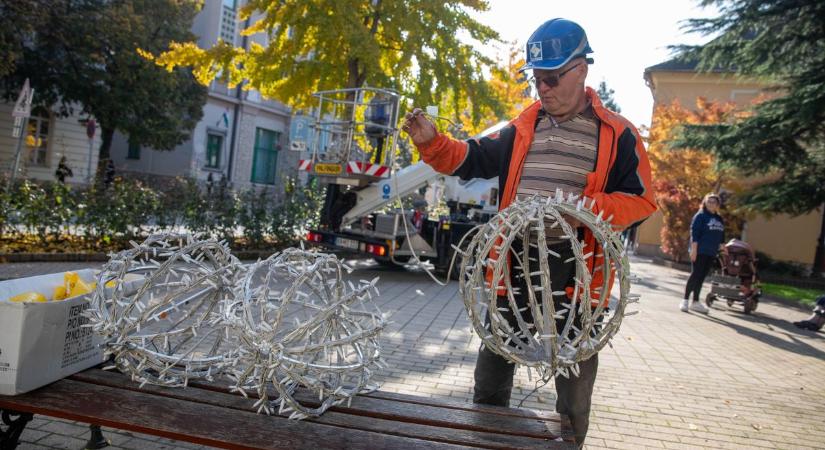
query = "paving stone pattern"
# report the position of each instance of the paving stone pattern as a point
(672, 380)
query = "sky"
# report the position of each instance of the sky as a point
(626, 37)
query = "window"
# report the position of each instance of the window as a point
(265, 158)
(228, 20)
(214, 145)
(37, 137)
(134, 150)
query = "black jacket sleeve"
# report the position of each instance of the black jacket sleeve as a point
(486, 156)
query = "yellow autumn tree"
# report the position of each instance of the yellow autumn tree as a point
(410, 46)
(507, 86)
(683, 176)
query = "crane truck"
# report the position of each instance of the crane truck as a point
(352, 151)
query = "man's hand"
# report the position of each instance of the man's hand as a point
(420, 129)
(693, 256)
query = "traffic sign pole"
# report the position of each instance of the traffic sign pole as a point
(17, 153)
(22, 111)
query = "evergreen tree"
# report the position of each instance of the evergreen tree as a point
(780, 140)
(606, 96)
(83, 54)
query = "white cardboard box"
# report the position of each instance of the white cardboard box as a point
(44, 342)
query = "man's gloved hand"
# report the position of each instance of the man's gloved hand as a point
(420, 129)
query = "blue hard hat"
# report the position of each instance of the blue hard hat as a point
(554, 44)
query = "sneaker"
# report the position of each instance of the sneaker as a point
(699, 307)
(684, 305)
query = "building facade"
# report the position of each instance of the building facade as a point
(242, 136)
(48, 137)
(782, 237)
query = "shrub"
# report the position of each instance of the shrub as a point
(300, 210)
(99, 217)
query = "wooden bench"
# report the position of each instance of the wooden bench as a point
(207, 414)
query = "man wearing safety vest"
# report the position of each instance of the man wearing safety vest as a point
(566, 140)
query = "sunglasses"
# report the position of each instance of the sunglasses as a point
(550, 80)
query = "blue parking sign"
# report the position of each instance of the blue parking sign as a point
(299, 129)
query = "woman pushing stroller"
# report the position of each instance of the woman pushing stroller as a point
(707, 233)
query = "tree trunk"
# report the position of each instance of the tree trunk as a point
(106, 134)
(819, 257)
(105, 143)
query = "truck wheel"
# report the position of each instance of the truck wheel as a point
(456, 273)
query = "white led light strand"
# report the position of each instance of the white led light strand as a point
(174, 309)
(551, 337)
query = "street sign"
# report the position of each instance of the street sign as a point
(18, 127)
(299, 129)
(23, 105)
(91, 126)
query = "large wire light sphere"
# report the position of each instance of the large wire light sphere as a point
(543, 333)
(157, 307)
(301, 325)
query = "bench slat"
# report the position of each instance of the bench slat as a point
(456, 404)
(425, 432)
(430, 414)
(196, 422)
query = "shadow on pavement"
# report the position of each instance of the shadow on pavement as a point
(658, 286)
(795, 345)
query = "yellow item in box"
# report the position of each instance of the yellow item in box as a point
(80, 288)
(70, 278)
(28, 297)
(60, 293)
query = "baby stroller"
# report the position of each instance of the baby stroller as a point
(737, 280)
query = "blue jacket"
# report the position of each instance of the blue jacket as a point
(707, 230)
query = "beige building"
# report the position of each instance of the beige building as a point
(782, 237)
(54, 137)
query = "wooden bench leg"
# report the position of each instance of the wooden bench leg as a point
(96, 438)
(15, 422)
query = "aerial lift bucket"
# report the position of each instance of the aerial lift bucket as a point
(354, 134)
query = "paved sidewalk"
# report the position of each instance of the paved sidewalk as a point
(671, 380)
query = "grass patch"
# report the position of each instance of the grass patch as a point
(802, 295)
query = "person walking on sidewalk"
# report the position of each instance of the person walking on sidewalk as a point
(63, 171)
(565, 140)
(707, 234)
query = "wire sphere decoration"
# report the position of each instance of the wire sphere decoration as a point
(157, 307)
(301, 325)
(547, 334)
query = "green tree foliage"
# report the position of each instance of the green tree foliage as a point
(18, 20)
(413, 46)
(606, 96)
(83, 54)
(783, 138)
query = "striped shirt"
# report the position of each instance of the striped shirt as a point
(560, 157)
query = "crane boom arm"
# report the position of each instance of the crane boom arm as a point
(401, 182)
